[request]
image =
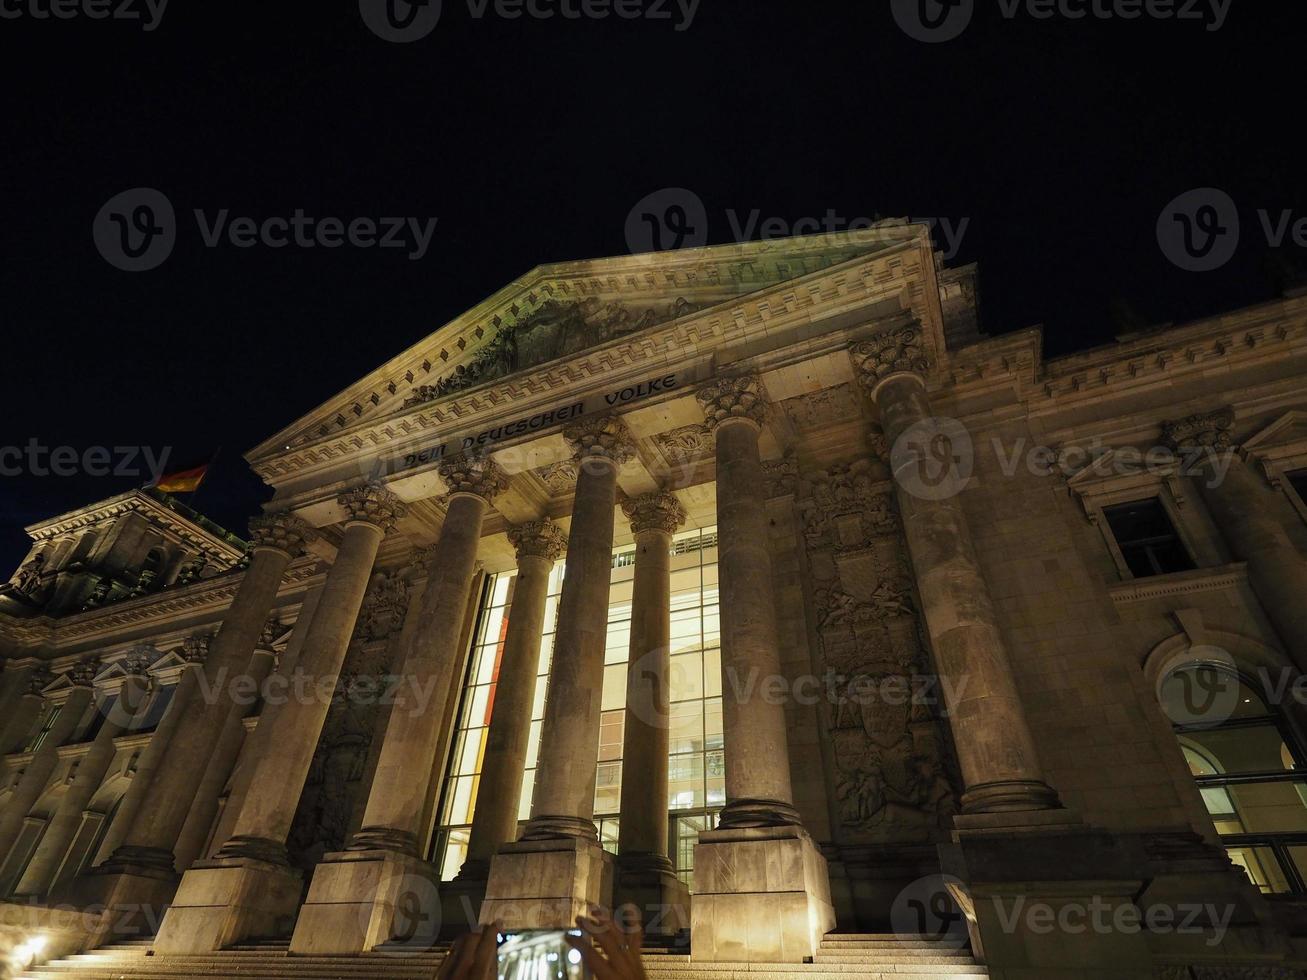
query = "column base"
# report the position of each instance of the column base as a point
(135, 899)
(226, 901)
(649, 882)
(361, 899)
(1010, 796)
(461, 900)
(761, 894)
(546, 884)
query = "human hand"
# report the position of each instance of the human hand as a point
(473, 956)
(620, 941)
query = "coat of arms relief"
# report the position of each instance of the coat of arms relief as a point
(882, 703)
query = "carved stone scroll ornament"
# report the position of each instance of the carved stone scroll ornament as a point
(373, 504)
(892, 352)
(730, 398)
(538, 539)
(601, 437)
(654, 512)
(475, 474)
(1208, 430)
(282, 531)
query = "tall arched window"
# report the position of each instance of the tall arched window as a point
(1249, 770)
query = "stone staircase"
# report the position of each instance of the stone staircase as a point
(842, 956)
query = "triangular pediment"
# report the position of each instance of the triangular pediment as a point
(1288, 432)
(561, 309)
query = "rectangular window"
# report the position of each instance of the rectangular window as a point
(696, 765)
(155, 712)
(1147, 538)
(1298, 480)
(52, 714)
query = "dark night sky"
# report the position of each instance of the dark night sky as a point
(531, 140)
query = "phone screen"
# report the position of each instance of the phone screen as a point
(539, 954)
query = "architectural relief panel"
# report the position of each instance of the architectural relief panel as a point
(880, 699)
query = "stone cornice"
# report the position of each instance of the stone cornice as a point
(211, 596)
(904, 270)
(153, 510)
(1179, 583)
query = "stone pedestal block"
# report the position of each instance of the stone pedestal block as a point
(361, 899)
(762, 894)
(460, 903)
(134, 899)
(546, 884)
(662, 898)
(223, 902)
(1057, 905)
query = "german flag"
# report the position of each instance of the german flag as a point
(186, 480)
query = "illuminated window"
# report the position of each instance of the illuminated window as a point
(696, 767)
(1248, 773)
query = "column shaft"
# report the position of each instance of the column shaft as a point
(53, 848)
(265, 818)
(995, 749)
(563, 802)
(405, 768)
(494, 821)
(758, 790)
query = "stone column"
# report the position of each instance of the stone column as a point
(199, 822)
(352, 900)
(54, 844)
(249, 888)
(995, 749)
(494, 823)
(22, 706)
(15, 845)
(646, 877)
(558, 868)
(762, 891)
(1246, 512)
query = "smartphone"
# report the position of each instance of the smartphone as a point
(540, 954)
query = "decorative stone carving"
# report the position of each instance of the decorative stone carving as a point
(560, 477)
(138, 660)
(283, 531)
(193, 569)
(556, 328)
(601, 437)
(740, 397)
(688, 444)
(892, 778)
(83, 674)
(654, 512)
(475, 474)
(889, 353)
(28, 578)
(782, 477)
(272, 629)
(373, 504)
(39, 681)
(1209, 430)
(385, 605)
(195, 648)
(823, 408)
(878, 444)
(540, 539)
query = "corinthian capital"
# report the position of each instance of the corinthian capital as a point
(601, 437)
(1207, 430)
(475, 474)
(83, 674)
(282, 531)
(372, 504)
(654, 512)
(740, 397)
(538, 539)
(893, 352)
(195, 648)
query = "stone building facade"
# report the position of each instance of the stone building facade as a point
(752, 584)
